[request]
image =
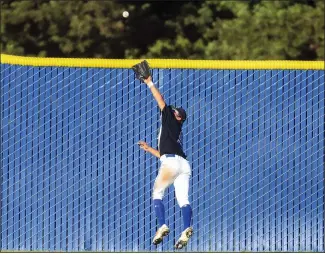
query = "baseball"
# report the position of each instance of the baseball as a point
(125, 14)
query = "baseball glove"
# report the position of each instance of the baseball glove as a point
(142, 70)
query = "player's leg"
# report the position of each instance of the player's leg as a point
(181, 184)
(165, 178)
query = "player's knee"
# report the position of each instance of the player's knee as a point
(157, 193)
(183, 202)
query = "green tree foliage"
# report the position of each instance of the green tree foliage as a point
(247, 30)
(268, 30)
(255, 29)
(62, 28)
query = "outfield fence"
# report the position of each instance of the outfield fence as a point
(73, 178)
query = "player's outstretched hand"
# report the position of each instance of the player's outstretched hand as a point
(143, 145)
(147, 80)
(142, 70)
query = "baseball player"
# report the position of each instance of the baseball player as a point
(174, 167)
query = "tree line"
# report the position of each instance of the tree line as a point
(245, 30)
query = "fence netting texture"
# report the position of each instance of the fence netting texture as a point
(74, 179)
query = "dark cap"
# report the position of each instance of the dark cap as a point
(181, 112)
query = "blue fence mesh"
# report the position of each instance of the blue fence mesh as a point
(73, 178)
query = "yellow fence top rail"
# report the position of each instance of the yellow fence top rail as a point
(163, 63)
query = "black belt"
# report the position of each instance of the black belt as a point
(170, 155)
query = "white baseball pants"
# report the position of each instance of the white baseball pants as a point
(174, 169)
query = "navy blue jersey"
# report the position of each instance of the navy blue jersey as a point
(170, 139)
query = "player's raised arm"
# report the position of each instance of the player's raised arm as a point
(142, 72)
(155, 92)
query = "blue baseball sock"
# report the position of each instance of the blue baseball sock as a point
(187, 215)
(160, 211)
